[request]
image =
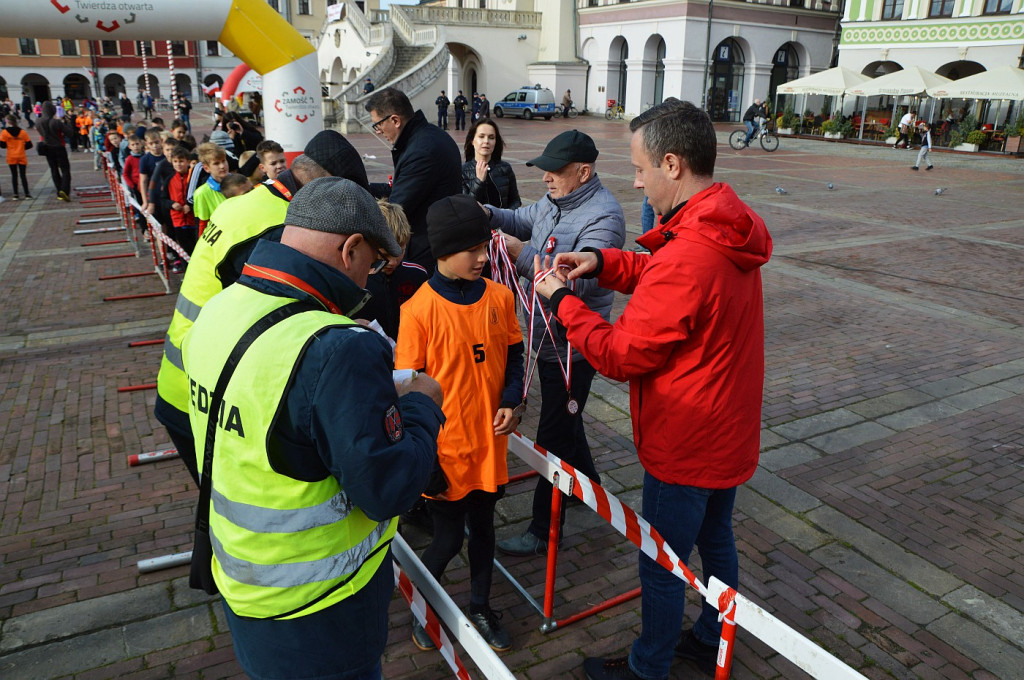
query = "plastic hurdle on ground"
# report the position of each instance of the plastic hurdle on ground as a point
(736, 610)
(151, 457)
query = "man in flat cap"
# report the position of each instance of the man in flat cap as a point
(577, 212)
(309, 449)
(218, 257)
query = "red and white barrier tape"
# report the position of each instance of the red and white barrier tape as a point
(428, 619)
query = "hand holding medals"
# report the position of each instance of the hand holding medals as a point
(547, 278)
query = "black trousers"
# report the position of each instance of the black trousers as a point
(60, 167)
(15, 171)
(442, 119)
(561, 433)
(460, 119)
(474, 511)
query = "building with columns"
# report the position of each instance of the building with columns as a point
(723, 53)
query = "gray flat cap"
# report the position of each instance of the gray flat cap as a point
(340, 206)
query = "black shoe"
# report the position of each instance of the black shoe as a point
(608, 669)
(914, 167)
(28, 196)
(523, 545)
(420, 637)
(705, 657)
(486, 623)
(929, 167)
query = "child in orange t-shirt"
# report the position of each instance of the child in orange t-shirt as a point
(16, 140)
(462, 330)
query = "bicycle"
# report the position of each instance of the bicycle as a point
(571, 112)
(768, 139)
(614, 110)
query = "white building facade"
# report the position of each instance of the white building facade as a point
(643, 51)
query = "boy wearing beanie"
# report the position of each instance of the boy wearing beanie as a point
(462, 330)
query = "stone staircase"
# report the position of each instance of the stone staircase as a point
(406, 56)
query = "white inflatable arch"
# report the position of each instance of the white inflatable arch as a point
(253, 31)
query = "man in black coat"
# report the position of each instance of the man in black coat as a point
(428, 166)
(461, 104)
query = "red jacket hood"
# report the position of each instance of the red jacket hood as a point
(718, 218)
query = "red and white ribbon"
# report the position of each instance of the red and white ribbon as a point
(503, 271)
(428, 619)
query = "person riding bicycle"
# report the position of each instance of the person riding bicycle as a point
(566, 103)
(750, 118)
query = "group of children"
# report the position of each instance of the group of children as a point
(161, 168)
(461, 329)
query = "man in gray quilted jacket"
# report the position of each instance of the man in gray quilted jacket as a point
(576, 213)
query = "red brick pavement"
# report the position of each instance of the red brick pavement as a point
(878, 288)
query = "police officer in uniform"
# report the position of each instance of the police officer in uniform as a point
(310, 450)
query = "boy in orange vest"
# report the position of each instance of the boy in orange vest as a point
(462, 329)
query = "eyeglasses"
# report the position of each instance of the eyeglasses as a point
(376, 126)
(379, 263)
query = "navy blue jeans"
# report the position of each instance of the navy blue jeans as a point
(342, 642)
(647, 218)
(751, 131)
(685, 516)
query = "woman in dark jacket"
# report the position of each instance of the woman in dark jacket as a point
(54, 131)
(485, 176)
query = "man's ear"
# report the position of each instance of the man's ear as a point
(674, 166)
(348, 249)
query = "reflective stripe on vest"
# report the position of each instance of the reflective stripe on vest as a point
(232, 223)
(268, 521)
(298, 573)
(283, 547)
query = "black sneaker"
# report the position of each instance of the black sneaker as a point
(929, 167)
(486, 623)
(608, 669)
(420, 637)
(913, 167)
(705, 657)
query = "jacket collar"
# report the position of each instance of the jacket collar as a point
(418, 120)
(327, 282)
(578, 197)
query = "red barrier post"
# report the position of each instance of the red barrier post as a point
(727, 645)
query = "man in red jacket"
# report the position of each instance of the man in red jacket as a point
(691, 344)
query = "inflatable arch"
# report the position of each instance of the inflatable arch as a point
(251, 29)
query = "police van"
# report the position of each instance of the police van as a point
(527, 102)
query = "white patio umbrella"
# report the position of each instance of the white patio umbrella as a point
(909, 81)
(834, 81)
(1004, 82)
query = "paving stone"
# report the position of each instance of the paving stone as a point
(782, 492)
(849, 437)
(790, 528)
(787, 456)
(898, 594)
(894, 558)
(947, 387)
(920, 415)
(987, 611)
(973, 399)
(79, 617)
(65, 657)
(823, 422)
(770, 440)
(1003, 661)
(890, 403)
